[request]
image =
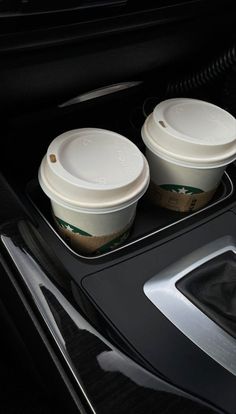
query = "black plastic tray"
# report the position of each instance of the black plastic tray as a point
(149, 220)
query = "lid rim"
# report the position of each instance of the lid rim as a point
(185, 161)
(59, 170)
(92, 208)
(140, 185)
(160, 109)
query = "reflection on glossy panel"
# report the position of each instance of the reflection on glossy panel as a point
(110, 381)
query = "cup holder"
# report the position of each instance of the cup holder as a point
(150, 219)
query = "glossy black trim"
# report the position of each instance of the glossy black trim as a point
(110, 380)
(31, 347)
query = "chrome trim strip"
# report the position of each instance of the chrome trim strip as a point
(97, 93)
(46, 342)
(192, 322)
(140, 238)
(34, 278)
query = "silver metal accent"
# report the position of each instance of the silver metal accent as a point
(91, 258)
(192, 322)
(97, 93)
(46, 342)
(34, 278)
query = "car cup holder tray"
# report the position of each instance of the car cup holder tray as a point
(150, 219)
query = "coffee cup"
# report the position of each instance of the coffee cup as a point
(189, 143)
(94, 179)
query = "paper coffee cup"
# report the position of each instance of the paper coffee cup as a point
(94, 179)
(189, 143)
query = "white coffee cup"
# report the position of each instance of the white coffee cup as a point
(189, 143)
(94, 179)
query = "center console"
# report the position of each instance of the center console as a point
(148, 326)
(141, 298)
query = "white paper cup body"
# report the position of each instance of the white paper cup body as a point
(98, 225)
(164, 172)
(88, 232)
(186, 169)
(181, 188)
(94, 179)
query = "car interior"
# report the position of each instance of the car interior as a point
(150, 325)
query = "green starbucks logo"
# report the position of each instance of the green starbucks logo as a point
(71, 228)
(112, 244)
(181, 189)
(106, 247)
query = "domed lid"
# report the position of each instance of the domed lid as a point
(191, 131)
(93, 169)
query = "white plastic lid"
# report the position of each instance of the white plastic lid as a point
(191, 132)
(93, 170)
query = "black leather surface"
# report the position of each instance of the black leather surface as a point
(212, 288)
